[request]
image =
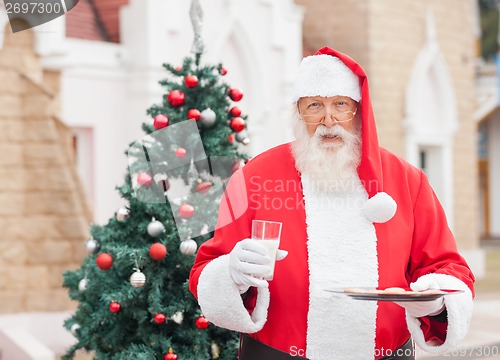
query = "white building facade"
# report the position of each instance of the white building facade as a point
(107, 87)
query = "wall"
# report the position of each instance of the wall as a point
(494, 150)
(44, 216)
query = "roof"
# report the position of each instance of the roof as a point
(95, 20)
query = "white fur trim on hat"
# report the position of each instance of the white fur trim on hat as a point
(325, 75)
(220, 300)
(380, 208)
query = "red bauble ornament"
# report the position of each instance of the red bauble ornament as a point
(236, 166)
(237, 124)
(178, 68)
(160, 318)
(235, 94)
(202, 322)
(171, 355)
(160, 121)
(114, 307)
(194, 114)
(157, 251)
(203, 186)
(230, 139)
(235, 111)
(104, 261)
(186, 211)
(180, 152)
(191, 81)
(144, 179)
(176, 98)
(222, 71)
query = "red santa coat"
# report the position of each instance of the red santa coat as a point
(349, 238)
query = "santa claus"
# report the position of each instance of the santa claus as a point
(353, 215)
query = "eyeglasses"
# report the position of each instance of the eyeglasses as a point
(315, 112)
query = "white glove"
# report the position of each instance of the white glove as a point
(248, 261)
(419, 309)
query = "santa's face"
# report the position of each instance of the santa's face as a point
(324, 113)
(328, 147)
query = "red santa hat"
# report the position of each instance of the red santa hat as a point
(325, 75)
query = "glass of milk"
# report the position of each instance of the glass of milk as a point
(268, 234)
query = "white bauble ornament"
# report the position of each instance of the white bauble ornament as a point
(92, 246)
(82, 285)
(73, 328)
(188, 247)
(122, 214)
(242, 137)
(155, 228)
(208, 117)
(178, 317)
(137, 279)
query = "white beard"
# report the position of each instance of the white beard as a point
(329, 166)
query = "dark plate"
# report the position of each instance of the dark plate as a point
(407, 296)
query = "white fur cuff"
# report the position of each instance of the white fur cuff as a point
(459, 308)
(221, 303)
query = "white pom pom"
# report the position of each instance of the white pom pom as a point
(380, 208)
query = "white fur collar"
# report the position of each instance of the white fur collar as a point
(342, 248)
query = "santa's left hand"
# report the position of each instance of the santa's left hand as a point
(423, 308)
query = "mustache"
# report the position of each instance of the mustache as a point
(332, 131)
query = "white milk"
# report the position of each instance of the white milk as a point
(272, 249)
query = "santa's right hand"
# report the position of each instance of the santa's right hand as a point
(248, 263)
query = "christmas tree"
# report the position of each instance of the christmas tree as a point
(133, 300)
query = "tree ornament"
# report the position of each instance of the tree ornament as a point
(188, 247)
(208, 117)
(178, 68)
(144, 179)
(176, 98)
(180, 152)
(222, 71)
(114, 307)
(215, 350)
(242, 137)
(235, 111)
(162, 180)
(74, 328)
(191, 81)
(237, 124)
(237, 165)
(170, 355)
(178, 317)
(194, 114)
(122, 214)
(155, 228)
(92, 246)
(204, 230)
(82, 284)
(186, 211)
(104, 261)
(203, 186)
(160, 121)
(137, 279)
(202, 322)
(235, 94)
(157, 251)
(230, 139)
(160, 318)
